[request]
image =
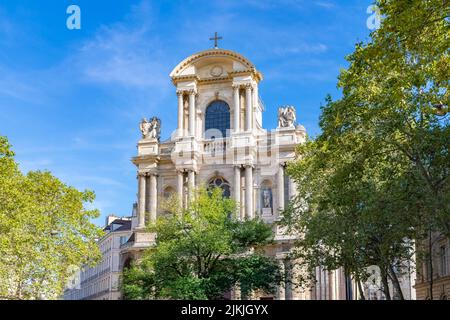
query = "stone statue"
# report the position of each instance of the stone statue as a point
(150, 129)
(266, 198)
(286, 117)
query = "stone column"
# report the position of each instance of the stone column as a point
(147, 195)
(292, 188)
(180, 186)
(288, 282)
(280, 183)
(237, 187)
(192, 113)
(255, 103)
(242, 201)
(249, 191)
(280, 294)
(237, 108)
(153, 197)
(255, 96)
(248, 102)
(141, 200)
(191, 183)
(180, 112)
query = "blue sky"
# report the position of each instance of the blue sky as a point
(71, 100)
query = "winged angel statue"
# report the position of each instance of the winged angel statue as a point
(150, 129)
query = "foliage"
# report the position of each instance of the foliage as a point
(201, 253)
(44, 231)
(377, 175)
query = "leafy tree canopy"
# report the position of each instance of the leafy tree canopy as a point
(377, 175)
(202, 254)
(45, 231)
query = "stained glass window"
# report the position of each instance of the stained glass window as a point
(217, 117)
(221, 183)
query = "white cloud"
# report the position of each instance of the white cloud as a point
(98, 180)
(122, 55)
(301, 48)
(325, 4)
(127, 53)
(103, 206)
(35, 164)
(23, 86)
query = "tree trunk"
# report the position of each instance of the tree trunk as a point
(361, 291)
(396, 283)
(384, 280)
(430, 264)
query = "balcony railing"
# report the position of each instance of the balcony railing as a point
(214, 146)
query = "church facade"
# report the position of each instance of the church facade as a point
(220, 141)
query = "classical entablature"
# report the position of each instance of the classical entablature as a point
(214, 65)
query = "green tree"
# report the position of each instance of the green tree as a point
(45, 231)
(201, 253)
(377, 176)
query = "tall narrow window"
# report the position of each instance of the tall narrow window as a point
(217, 120)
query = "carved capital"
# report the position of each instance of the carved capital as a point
(236, 86)
(180, 92)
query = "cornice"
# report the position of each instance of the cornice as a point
(208, 53)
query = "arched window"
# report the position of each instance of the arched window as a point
(168, 192)
(217, 119)
(220, 182)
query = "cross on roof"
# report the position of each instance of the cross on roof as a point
(215, 40)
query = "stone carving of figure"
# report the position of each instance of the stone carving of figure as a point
(145, 127)
(150, 129)
(286, 117)
(266, 198)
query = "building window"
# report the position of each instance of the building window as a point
(123, 240)
(444, 260)
(220, 182)
(217, 120)
(168, 192)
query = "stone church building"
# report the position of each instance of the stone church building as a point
(220, 141)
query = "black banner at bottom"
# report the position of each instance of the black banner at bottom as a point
(249, 309)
